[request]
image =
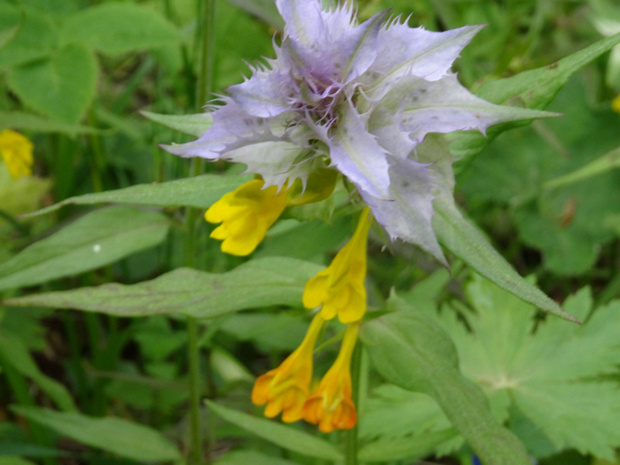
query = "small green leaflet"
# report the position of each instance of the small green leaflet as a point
(185, 291)
(194, 125)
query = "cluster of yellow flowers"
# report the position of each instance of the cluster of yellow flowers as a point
(337, 291)
(16, 150)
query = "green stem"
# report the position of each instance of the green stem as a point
(205, 87)
(196, 456)
(351, 442)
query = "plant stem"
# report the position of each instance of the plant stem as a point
(206, 21)
(351, 435)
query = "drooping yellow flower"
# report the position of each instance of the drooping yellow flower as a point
(16, 150)
(615, 104)
(339, 288)
(286, 388)
(246, 214)
(331, 405)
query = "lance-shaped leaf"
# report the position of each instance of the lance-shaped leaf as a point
(413, 352)
(284, 436)
(114, 435)
(609, 161)
(467, 243)
(257, 283)
(531, 89)
(194, 125)
(97, 239)
(200, 192)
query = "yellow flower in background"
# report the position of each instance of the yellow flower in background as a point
(339, 289)
(615, 104)
(246, 214)
(331, 405)
(286, 388)
(16, 150)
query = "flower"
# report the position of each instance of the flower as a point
(16, 150)
(246, 214)
(286, 388)
(339, 289)
(331, 405)
(357, 98)
(615, 104)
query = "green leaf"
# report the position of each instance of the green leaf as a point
(467, 243)
(114, 435)
(36, 37)
(61, 86)
(263, 9)
(245, 457)
(14, 460)
(413, 352)
(257, 283)
(281, 435)
(11, 20)
(199, 192)
(97, 239)
(118, 28)
(607, 162)
(409, 448)
(21, 120)
(194, 125)
(552, 375)
(530, 89)
(13, 351)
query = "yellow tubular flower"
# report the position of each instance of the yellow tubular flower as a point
(17, 153)
(340, 287)
(246, 214)
(286, 388)
(331, 405)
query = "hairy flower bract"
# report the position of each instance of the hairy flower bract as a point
(353, 97)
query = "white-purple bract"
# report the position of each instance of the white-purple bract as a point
(357, 97)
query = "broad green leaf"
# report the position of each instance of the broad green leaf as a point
(61, 86)
(284, 436)
(533, 89)
(552, 375)
(200, 192)
(257, 283)
(467, 243)
(413, 352)
(246, 457)
(36, 37)
(21, 120)
(194, 125)
(607, 162)
(97, 239)
(409, 448)
(13, 351)
(114, 435)
(118, 28)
